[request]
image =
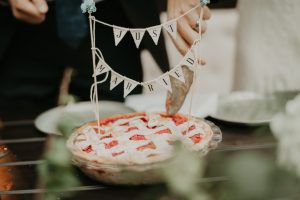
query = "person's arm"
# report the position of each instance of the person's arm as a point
(30, 11)
(186, 26)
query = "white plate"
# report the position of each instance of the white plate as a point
(79, 113)
(250, 108)
(203, 104)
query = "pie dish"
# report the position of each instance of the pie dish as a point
(130, 148)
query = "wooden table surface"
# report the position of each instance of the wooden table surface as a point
(26, 145)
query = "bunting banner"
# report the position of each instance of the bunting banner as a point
(138, 33)
(163, 80)
(100, 67)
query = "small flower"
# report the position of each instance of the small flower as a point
(204, 2)
(88, 6)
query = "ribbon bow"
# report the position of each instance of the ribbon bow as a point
(204, 2)
(88, 6)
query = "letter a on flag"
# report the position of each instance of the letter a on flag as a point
(171, 27)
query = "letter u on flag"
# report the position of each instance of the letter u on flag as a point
(129, 85)
(119, 33)
(154, 32)
(101, 68)
(137, 35)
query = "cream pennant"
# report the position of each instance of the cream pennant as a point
(154, 32)
(189, 59)
(115, 79)
(129, 85)
(171, 27)
(119, 33)
(165, 82)
(178, 73)
(149, 86)
(137, 35)
(101, 68)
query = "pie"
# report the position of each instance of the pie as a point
(138, 138)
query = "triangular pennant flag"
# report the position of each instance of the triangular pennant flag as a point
(189, 59)
(137, 35)
(178, 73)
(171, 27)
(165, 82)
(101, 68)
(129, 85)
(154, 32)
(119, 33)
(149, 86)
(115, 79)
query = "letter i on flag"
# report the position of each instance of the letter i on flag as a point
(178, 73)
(137, 35)
(189, 59)
(129, 85)
(119, 33)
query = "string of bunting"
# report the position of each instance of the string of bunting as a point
(138, 33)
(164, 80)
(102, 67)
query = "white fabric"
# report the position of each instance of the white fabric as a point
(268, 46)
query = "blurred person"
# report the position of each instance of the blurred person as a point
(39, 39)
(268, 46)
